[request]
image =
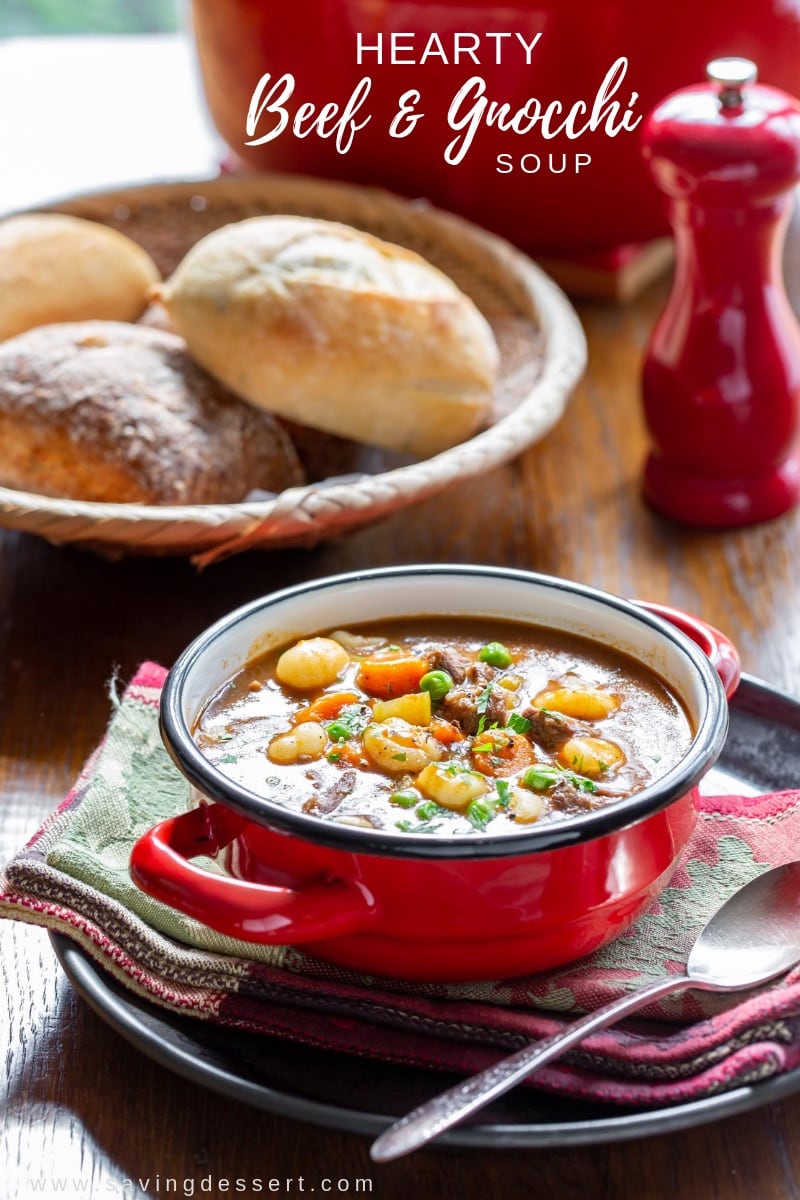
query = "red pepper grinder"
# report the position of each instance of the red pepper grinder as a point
(722, 373)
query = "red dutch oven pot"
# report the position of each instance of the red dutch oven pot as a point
(557, 208)
(418, 907)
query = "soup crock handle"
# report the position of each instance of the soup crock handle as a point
(722, 653)
(255, 912)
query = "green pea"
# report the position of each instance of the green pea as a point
(427, 810)
(404, 798)
(480, 812)
(496, 655)
(438, 683)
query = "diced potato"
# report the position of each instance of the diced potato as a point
(314, 663)
(451, 786)
(414, 708)
(510, 682)
(585, 703)
(590, 756)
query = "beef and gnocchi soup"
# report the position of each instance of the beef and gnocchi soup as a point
(444, 726)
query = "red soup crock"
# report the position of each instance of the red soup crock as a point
(418, 907)
(538, 191)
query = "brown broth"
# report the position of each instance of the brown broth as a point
(650, 726)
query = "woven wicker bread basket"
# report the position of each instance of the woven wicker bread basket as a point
(543, 353)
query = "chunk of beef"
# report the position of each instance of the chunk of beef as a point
(567, 798)
(548, 729)
(448, 659)
(497, 708)
(466, 704)
(460, 708)
(327, 797)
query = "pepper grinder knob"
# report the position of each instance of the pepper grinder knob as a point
(731, 75)
(721, 380)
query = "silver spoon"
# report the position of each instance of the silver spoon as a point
(753, 938)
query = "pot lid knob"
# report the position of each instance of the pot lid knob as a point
(731, 75)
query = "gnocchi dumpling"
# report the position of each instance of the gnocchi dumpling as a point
(590, 756)
(313, 663)
(451, 785)
(583, 703)
(399, 747)
(307, 740)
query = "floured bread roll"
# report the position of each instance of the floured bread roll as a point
(59, 268)
(100, 410)
(337, 330)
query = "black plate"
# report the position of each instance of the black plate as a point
(762, 753)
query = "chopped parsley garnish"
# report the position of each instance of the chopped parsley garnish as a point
(400, 757)
(423, 827)
(456, 768)
(425, 813)
(273, 780)
(503, 788)
(480, 812)
(518, 723)
(485, 748)
(581, 782)
(352, 720)
(334, 756)
(224, 737)
(543, 776)
(404, 798)
(229, 758)
(481, 707)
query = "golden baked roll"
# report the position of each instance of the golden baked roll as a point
(337, 330)
(59, 268)
(100, 410)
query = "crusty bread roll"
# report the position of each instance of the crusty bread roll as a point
(335, 329)
(105, 411)
(60, 268)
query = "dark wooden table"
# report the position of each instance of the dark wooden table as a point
(79, 1103)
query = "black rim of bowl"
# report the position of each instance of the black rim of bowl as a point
(213, 784)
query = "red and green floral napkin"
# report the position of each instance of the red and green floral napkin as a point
(73, 878)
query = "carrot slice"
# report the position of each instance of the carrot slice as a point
(511, 752)
(445, 732)
(327, 706)
(348, 755)
(387, 677)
